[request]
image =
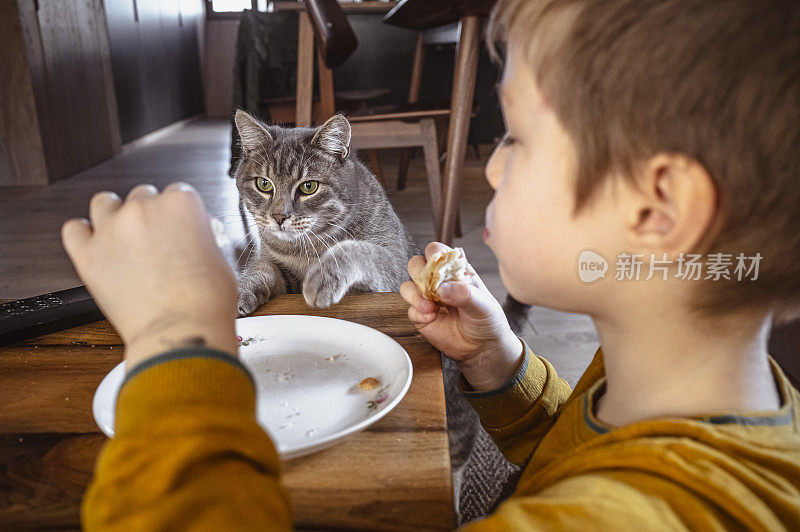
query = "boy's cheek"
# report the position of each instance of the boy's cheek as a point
(538, 270)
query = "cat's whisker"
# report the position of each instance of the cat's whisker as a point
(248, 236)
(225, 209)
(230, 222)
(347, 232)
(312, 246)
(236, 263)
(252, 247)
(303, 249)
(232, 250)
(335, 242)
(341, 229)
(333, 254)
(308, 257)
(248, 243)
(226, 214)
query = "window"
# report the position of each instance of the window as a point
(232, 7)
(220, 6)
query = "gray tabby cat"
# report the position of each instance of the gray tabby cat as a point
(325, 224)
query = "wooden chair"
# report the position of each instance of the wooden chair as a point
(377, 128)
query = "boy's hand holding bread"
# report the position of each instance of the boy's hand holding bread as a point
(467, 324)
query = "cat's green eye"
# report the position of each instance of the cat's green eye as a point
(309, 187)
(264, 185)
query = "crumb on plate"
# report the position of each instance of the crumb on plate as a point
(370, 383)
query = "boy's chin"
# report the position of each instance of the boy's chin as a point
(543, 293)
(517, 288)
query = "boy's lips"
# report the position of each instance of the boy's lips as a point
(487, 221)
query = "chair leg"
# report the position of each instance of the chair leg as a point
(467, 52)
(413, 96)
(430, 151)
(375, 163)
(458, 232)
(402, 167)
(305, 71)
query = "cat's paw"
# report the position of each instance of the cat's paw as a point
(324, 286)
(248, 302)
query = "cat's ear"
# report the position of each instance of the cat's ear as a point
(334, 136)
(252, 133)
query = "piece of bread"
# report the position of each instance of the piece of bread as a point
(443, 266)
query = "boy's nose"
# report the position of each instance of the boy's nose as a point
(493, 170)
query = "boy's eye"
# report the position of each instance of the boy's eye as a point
(264, 185)
(508, 140)
(309, 187)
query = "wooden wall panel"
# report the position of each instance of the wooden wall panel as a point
(7, 172)
(155, 57)
(82, 128)
(22, 159)
(218, 60)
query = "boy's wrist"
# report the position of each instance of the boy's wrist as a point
(494, 367)
(178, 335)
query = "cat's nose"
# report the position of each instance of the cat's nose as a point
(279, 218)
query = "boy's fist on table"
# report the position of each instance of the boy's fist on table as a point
(469, 327)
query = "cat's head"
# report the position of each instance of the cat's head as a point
(295, 180)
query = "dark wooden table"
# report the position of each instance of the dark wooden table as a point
(425, 14)
(394, 475)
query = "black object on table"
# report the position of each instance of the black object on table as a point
(39, 315)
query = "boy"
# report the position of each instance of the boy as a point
(645, 131)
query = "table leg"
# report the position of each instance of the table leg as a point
(467, 53)
(305, 71)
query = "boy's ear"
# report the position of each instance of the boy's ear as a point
(673, 207)
(252, 133)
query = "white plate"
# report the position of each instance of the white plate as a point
(307, 369)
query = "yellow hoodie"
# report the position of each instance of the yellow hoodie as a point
(188, 453)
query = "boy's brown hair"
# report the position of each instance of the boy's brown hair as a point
(715, 80)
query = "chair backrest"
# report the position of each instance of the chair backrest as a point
(335, 37)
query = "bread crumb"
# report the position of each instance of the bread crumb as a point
(370, 383)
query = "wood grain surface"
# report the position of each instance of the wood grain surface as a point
(69, 60)
(21, 153)
(395, 475)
